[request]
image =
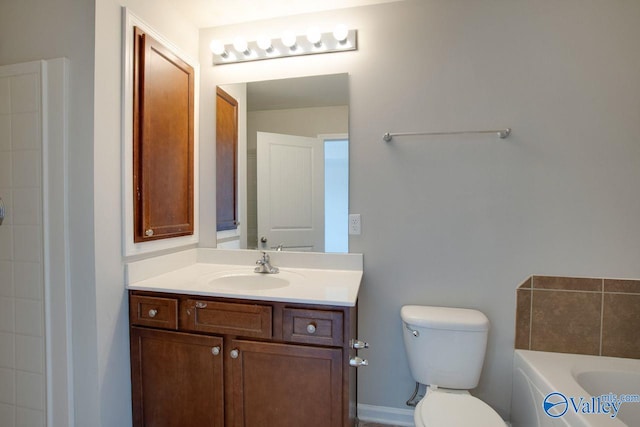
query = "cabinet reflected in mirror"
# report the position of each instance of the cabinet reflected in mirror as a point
(292, 165)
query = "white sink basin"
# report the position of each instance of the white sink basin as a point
(242, 281)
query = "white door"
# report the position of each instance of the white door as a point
(290, 175)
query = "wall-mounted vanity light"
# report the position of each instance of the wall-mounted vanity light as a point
(341, 33)
(241, 45)
(315, 37)
(264, 44)
(290, 40)
(218, 49)
(288, 44)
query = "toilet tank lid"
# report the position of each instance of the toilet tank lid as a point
(457, 319)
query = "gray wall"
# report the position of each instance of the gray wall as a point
(461, 221)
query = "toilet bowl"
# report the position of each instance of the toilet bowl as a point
(454, 408)
(445, 349)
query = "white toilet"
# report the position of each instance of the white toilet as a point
(445, 347)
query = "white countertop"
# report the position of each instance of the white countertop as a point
(195, 273)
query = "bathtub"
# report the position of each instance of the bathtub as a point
(578, 390)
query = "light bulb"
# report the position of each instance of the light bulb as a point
(217, 48)
(341, 32)
(314, 36)
(289, 40)
(241, 45)
(264, 43)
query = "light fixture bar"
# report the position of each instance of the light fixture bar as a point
(328, 43)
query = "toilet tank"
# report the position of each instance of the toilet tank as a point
(445, 346)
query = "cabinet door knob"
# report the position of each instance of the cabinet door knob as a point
(234, 353)
(200, 304)
(215, 350)
(311, 328)
(149, 233)
(153, 312)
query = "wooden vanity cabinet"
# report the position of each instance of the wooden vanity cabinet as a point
(241, 363)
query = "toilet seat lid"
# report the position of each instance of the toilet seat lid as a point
(442, 409)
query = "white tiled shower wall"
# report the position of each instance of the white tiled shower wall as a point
(22, 331)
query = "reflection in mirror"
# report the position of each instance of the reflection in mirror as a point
(292, 165)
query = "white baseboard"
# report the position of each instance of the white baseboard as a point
(385, 415)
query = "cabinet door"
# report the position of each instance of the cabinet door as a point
(280, 385)
(226, 161)
(177, 379)
(163, 140)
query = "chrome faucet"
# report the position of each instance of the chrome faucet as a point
(263, 265)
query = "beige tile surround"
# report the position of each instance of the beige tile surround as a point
(594, 316)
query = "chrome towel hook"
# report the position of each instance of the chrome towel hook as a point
(2, 211)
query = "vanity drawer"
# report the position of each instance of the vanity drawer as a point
(245, 320)
(153, 311)
(322, 327)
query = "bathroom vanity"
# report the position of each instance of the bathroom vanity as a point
(218, 345)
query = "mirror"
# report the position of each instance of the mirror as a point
(292, 164)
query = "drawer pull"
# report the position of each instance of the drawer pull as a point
(311, 328)
(234, 353)
(153, 312)
(215, 350)
(200, 304)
